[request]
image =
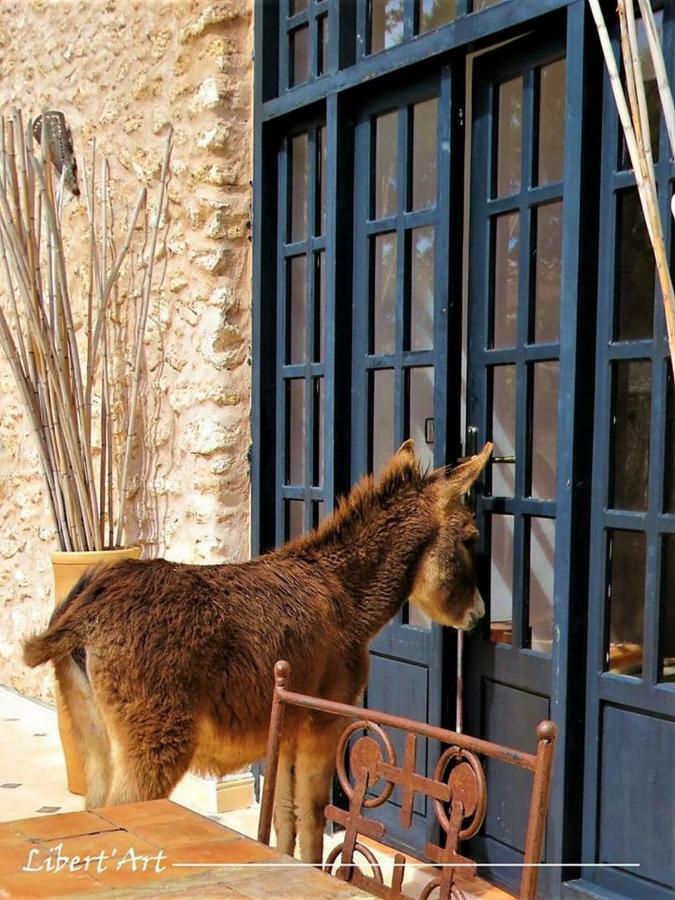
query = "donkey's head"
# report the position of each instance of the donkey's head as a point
(444, 585)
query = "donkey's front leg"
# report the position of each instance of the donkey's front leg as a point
(284, 802)
(314, 767)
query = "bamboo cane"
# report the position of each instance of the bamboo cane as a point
(136, 377)
(644, 179)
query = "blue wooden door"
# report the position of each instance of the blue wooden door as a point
(402, 310)
(517, 208)
(629, 791)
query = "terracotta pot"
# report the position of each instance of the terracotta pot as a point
(67, 568)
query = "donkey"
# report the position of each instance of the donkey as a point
(166, 666)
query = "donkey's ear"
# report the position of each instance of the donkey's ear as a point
(461, 479)
(407, 448)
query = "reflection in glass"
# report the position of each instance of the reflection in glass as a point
(503, 429)
(317, 442)
(669, 486)
(417, 618)
(551, 122)
(386, 24)
(299, 170)
(434, 13)
(321, 180)
(635, 271)
(651, 90)
(295, 431)
(542, 563)
(386, 144)
(630, 434)
(322, 47)
(506, 272)
(294, 515)
(546, 377)
(547, 273)
(501, 579)
(319, 513)
(382, 418)
(384, 292)
(422, 289)
(319, 305)
(296, 327)
(424, 126)
(482, 4)
(299, 55)
(509, 136)
(667, 621)
(421, 412)
(297, 6)
(625, 601)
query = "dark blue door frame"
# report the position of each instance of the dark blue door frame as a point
(352, 79)
(410, 654)
(630, 719)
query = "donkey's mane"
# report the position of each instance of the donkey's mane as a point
(367, 495)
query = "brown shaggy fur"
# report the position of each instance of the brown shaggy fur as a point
(166, 666)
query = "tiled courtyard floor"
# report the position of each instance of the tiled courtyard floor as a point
(33, 783)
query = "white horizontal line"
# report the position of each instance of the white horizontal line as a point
(410, 865)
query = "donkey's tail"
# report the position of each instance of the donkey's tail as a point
(62, 636)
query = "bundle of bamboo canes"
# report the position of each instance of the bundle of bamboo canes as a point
(633, 114)
(66, 385)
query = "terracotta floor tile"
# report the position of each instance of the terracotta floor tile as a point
(167, 834)
(46, 884)
(140, 813)
(62, 825)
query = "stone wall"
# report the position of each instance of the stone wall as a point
(121, 70)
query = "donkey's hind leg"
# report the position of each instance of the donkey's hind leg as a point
(314, 767)
(284, 801)
(151, 749)
(82, 713)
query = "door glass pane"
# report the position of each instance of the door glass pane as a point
(384, 292)
(297, 6)
(667, 624)
(635, 271)
(322, 46)
(294, 511)
(321, 181)
(551, 122)
(421, 412)
(669, 486)
(542, 563)
(651, 90)
(422, 289)
(296, 328)
(319, 305)
(509, 136)
(424, 126)
(382, 418)
(625, 601)
(506, 270)
(295, 431)
(317, 462)
(299, 170)
(504, 430)
(436, 12)
(319, 513)
(630, 444)
(501, 580)
(547, 273)
(386, 24)
(546, 377)
(299, 55)
(386, 160)
(417, 618)
(482, 4)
